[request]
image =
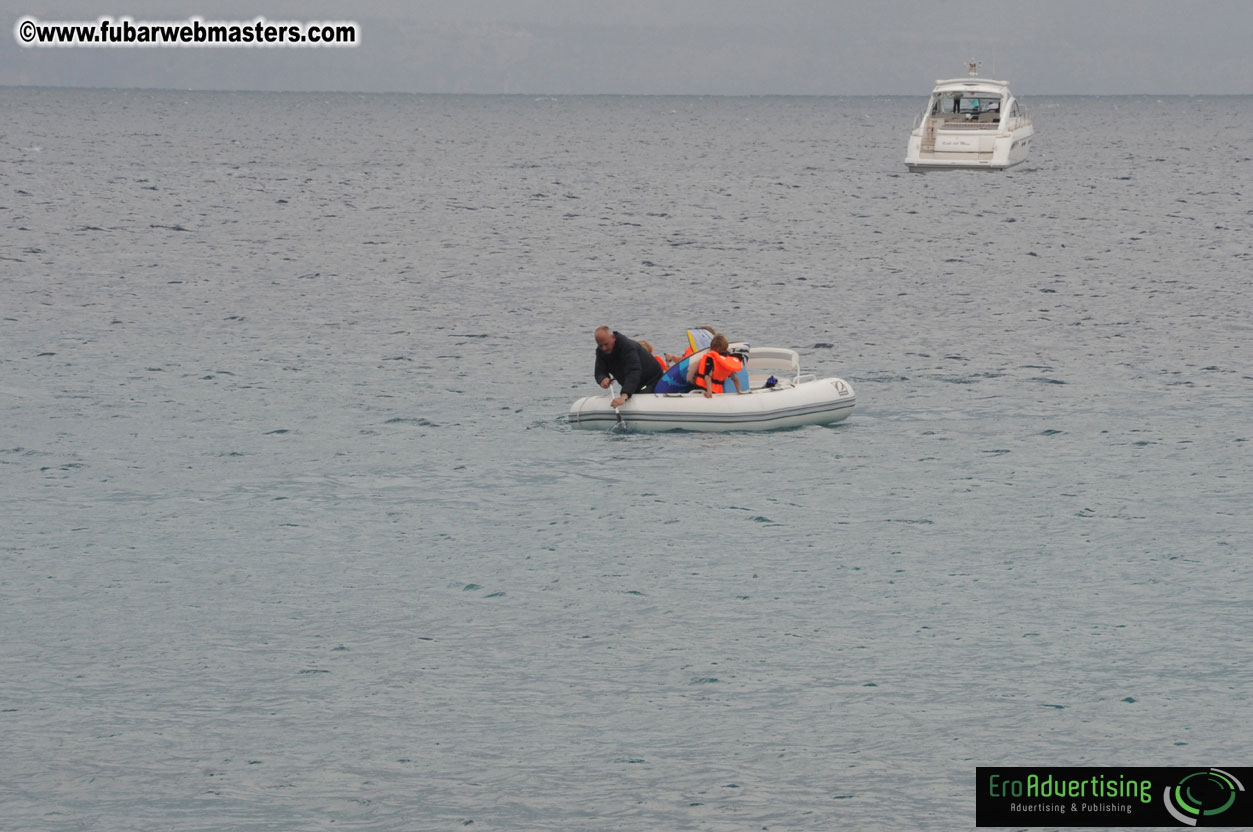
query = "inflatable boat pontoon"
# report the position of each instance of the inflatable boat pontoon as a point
(791, 401)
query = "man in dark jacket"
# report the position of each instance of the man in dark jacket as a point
(620, 359)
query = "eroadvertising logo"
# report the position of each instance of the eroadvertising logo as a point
(1130, 796)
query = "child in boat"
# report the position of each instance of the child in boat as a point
(707, 369)
(648, 346)
(715, 366)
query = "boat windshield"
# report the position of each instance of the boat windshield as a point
(965, 105)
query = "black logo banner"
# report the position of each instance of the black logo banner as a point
(1113, 796)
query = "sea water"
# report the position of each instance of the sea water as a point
(295, 535)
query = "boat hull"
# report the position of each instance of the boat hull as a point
(819, 402)
(969, 151)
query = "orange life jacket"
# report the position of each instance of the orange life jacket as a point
(662, 362)
(713, 369)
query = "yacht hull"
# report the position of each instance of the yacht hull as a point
(999, 152)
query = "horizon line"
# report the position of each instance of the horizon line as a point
(603, 94)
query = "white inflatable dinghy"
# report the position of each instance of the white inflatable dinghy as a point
(789, 401)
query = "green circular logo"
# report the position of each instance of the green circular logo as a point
(1201, 797)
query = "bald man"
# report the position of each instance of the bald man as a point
(620, 359)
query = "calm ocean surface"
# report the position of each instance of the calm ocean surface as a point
(295, 536)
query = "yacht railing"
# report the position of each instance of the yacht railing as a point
(949, 123)
(970, 125)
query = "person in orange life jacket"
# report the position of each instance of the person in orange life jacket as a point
(620, 358)
(715, 366)
(648, 346)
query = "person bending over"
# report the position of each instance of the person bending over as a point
(619, 358)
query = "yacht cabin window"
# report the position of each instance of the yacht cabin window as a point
(965, 105)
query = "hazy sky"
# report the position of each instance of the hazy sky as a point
(725, 47)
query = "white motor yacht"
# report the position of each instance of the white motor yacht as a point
(970, 123)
